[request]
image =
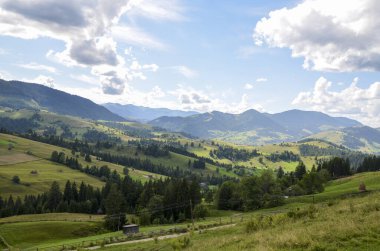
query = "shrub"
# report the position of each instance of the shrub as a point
(16, 179)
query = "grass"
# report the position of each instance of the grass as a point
(42, 150)
(349, 224)
(52, 217)
(31, 234)
(343, 187)
(333, 223)
(47, 172)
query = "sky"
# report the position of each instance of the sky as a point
(223, 55)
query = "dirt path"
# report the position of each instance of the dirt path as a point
(164, 237)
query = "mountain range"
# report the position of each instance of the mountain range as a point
(21, 95)
(253, 127)
(250, 127)
(144, 114)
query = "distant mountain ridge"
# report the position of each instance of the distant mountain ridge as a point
(361, 138)
(144, 114)
(20, 95)
(253, 127)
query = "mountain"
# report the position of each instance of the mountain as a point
(144, 114)
(19, 95)
(361, 138)
(306, 122)
(254, 128)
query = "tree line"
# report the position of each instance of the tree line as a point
(159, 201)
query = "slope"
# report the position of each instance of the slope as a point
(15, 94)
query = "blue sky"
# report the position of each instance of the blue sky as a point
(200, 55)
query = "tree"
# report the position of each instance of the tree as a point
(68, 193)
(16, 179)
(115, 209)
(280, 172)
(300, 170)
(54, 196)
(201, 211)
(87, 158)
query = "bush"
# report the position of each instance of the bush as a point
(16, 179)
(201, 211)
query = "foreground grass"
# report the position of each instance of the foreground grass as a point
(31, 234)
(349, 224)
(343, 187)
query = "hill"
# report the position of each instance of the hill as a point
(19, 95)
(28, 156)
(252, 127)
(144, 114)
(360, 138)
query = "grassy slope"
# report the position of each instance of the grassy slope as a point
(41, 182)
(336, 222)
(30, 234)
(17, 162)
(349, 223)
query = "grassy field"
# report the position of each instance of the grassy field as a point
(30, 234)
(334, 222)
(40, 150)
(349, 224)
(343, 187)
(47, 172)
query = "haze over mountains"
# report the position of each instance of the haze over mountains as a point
(144, 114)
(250, 127)
(253, 127)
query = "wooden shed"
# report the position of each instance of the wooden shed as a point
(131, 229)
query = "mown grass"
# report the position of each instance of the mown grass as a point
(31, 234)
(52, 217)
(47, 172)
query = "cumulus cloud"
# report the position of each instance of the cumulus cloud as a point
(330, 35)
(42, 80)
(358, 103)
(88, 29)
(38, 67)
(197, 100)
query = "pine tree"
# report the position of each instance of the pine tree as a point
(54, 196)
(300, 170)
(115, 209)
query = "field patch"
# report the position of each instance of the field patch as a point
(37, 176)
(31, 234)
(15, 158)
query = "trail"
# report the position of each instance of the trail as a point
(164, 237)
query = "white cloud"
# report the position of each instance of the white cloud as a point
(329, 35)
(185, 71)
(38, 67)
(197, 100)
(42, 80)
(248, 86)
(358, 103)
(135, 36)
(87, 29)
(261, 80)
(161, 10)
(85, 79)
